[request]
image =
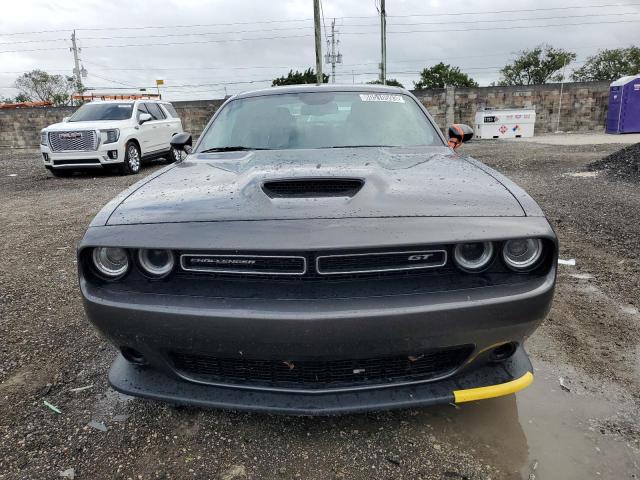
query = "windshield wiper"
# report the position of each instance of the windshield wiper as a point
(236, 148)
(358, 146)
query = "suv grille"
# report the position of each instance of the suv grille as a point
(318, 374)
(84, 140)
(314, 187)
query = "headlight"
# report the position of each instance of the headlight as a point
(473, 257)
(522, 254)
(111, 262)
(156, 262)
(43, 138)
(110, 136)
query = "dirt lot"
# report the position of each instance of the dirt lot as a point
(591, 339)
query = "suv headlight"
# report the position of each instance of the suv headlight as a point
(43, 138)
(110, 136)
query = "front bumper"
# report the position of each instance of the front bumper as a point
(488, 381)
(83, 159)
(155, 325)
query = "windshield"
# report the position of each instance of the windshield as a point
(91, 112)
(320, 120)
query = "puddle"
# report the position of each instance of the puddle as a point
(544, 432)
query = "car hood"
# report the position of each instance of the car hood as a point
(73, 126)
(408, 182)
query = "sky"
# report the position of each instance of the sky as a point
(204, 49)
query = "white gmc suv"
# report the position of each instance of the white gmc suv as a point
(116, 134)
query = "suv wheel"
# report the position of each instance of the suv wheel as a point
(173, 156)
(131, 159)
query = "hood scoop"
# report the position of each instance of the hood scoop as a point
(312, 187)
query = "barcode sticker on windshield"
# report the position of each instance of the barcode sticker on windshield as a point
(381, 97)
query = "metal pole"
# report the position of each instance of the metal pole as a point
(76, 63)
(383, 43)
(333, 51)
(560, 99)
(316, 20)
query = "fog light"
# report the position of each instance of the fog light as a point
(156, 262)
(113, 154)
(46, 157)
(473, 257)
(132, 355)
(522, 254)
(110, 262)
(503, 352)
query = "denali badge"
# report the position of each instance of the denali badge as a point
(70, 135)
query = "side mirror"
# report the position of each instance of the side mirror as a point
(144, 117)
(458, 134)
(65, 119)
(182, 142)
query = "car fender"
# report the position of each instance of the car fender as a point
(126, 137)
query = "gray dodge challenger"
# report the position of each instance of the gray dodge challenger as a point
(320, 250)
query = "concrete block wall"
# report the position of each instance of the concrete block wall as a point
(20, 128)
(584, 109)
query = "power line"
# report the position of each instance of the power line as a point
(307, 36)
(516, 27)
(190, 34)
(456, 14)
(421, 60)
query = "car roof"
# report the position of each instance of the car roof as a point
(325, 87)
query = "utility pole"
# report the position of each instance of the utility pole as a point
(333, 57)
(564, 67)
(316, 21)
(383, 43)
(78, 71)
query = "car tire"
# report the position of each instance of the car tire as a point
(61, 173)
(132, 159)
(173, 156)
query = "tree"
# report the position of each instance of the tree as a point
(297, 78)
(441, 75)
(38, 85)
(392, 82)
(609, 65)
(540, 65)
(18, 99)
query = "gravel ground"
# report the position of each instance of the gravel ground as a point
(623, 164)
(591, 340)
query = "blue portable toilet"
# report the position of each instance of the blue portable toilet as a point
(624, 105)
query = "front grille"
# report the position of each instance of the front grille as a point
(318, 264)
(314, 187)
(83, 140)
(244, 264)
(380, 262)
(321, 375)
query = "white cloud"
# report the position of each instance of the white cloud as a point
(481, 53)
